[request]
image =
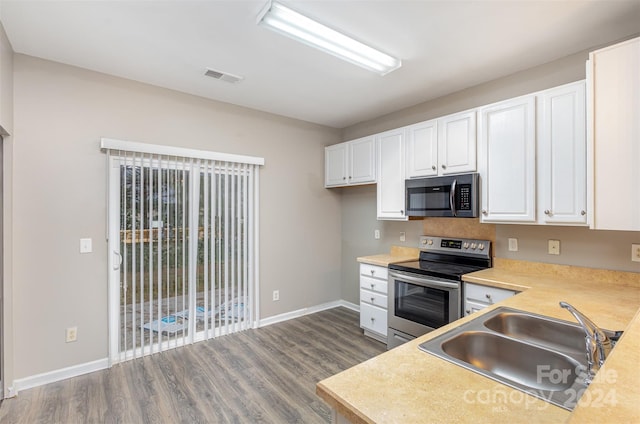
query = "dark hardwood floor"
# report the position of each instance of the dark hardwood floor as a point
(266, 375)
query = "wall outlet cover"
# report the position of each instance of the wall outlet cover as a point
(635, 252)
(513, 245)
(71, 334)
(554, 247)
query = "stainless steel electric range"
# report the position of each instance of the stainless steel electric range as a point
(427, 294)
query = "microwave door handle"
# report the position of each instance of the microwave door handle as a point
(452, 197)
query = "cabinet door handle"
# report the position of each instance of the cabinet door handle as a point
(401, 211)
(444, 166)
(583, 213)
(468, 311)
(547, 212)
(433, 167)
(484, 212)
(344, 178)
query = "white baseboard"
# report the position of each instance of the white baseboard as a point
(306, 311)
(58, 375)
(101, 364)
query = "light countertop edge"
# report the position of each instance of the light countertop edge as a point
(613, 304)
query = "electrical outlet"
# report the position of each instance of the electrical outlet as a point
(376, 234)
(554, 247)
(513, 245)
(276, 295)
(635, 252)
(403, 236)
(71, 334)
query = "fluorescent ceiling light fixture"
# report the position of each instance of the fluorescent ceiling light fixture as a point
(288, 22)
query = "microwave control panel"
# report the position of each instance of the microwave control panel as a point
(465, 197)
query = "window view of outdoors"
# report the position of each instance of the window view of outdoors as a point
(154, 245)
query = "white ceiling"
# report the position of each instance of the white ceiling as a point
(445, 46)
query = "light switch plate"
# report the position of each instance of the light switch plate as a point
(513, 245)
(554, 247)
(403, 236)
(85, 245)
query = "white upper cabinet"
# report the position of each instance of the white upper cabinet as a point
(614, 106)
(442, 146)
(335, 165)
(507, 161)
(562, 160)
(391, 160)
(422, 149)
(457, 143)
(350, 163)
(362, 161)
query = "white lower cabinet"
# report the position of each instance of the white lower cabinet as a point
(478, 297)
(373, 301)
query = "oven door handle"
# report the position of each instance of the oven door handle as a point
(452, 197)
(425, 281)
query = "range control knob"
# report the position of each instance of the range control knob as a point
(429, 242)
(481, 246)
(465, 245)
(473, 246)
(423, 241)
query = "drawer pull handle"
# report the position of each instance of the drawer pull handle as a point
(372, 319)
(372, 286)
(468, 311)
(373, 299)
(488, 296)
(373, 271)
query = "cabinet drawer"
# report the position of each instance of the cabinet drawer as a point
(485, 294)
(373, 284)
(470, 307)
(374, 298)
(373, 318)
(374, 271)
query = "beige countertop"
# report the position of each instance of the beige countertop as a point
(396, 254)
(406, 385)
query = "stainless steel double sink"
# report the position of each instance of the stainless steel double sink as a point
(539, 355)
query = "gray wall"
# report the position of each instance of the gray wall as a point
(59, 187)
(6, 121)
(579, 246)
(358, 225)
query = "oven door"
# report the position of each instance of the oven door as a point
(419, 304)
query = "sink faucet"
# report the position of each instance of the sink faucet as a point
(597, 342)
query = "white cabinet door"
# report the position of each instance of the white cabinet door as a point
(362, 161)
(507, 161)
(422, 149)
(457, 143)
(335, 165)
(562, 160)
(391, 197)
(615, 110)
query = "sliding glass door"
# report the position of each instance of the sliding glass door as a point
(182, 241)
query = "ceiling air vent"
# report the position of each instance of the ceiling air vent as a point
(223, 76)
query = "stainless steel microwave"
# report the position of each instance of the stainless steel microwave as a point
(448, 196)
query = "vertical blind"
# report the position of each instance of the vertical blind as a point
(183, 235)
